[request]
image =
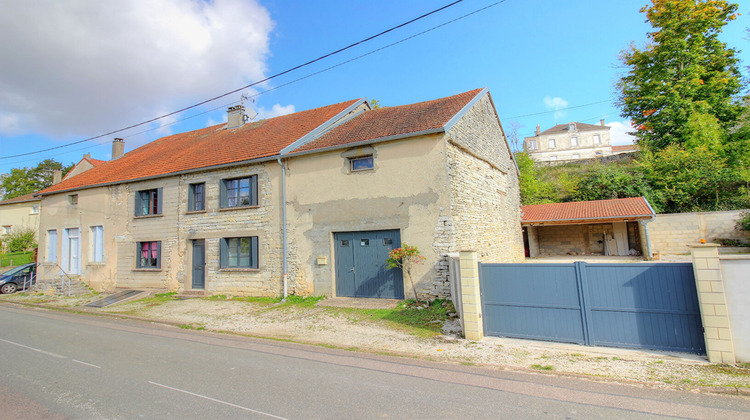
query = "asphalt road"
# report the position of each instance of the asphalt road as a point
(59, 365)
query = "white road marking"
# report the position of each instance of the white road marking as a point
(87, 364)
(32, 348)
(218, 401)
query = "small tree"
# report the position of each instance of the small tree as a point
(405, 258)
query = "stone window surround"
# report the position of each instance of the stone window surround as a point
(359, 152)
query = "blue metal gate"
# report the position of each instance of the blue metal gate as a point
(640, 305)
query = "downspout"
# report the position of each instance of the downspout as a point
(283, 221)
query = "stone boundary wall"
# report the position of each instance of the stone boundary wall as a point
(671, 233)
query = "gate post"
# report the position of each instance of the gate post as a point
(713, 303)
(470, 297)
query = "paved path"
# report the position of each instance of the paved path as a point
(80, 366)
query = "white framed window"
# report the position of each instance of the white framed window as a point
(97, 244)
(52, 245)
(552, 143)
(532, 144)
(597, 139)
(35, 209)
(574, 141)
(7, 229)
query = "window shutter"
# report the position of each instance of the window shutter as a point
(138, 255)
(158, 252)
(223, 253)
(254, 252)
(138, 204)
(159, 200)
(191, 197)
(254, 190)
(222, 193)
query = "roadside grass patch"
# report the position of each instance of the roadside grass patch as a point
(419, 320)
(542, 367)
(192, 327)
(18, 258)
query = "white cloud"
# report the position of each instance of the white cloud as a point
(84, 66)
(556, 103)
(275, 111)
(618, 134)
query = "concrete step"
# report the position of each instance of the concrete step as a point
(192, 294)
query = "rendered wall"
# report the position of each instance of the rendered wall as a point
(407, 190)
(672, 233)
(95, 208)
(19, 215)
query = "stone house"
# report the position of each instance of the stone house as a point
(569, 142)
(308, 203)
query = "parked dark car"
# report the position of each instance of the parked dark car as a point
(22, 277)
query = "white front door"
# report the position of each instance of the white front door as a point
(74, 251)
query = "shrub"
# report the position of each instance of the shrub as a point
(744, 222)
(21, 239)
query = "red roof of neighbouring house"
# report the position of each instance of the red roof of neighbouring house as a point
(394, 121)
(626, 148)
(20, 199)
(636, 207)
(207, 147)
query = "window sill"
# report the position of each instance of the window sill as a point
(148, 216)
(147, 270)
(238, 269)
(96, 264)
(195, 212)
(239, 208)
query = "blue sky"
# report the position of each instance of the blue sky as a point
(83, 68)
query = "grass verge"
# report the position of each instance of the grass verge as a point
(17, 258)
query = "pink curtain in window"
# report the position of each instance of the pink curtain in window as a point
(144, 250)
(153, 250)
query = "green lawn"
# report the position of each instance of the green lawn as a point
(17, 258)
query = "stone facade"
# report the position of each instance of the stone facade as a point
(557, 145)
(444, 192)
(584, 239)
(672, 233)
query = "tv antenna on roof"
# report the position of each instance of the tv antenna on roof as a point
(245, 97)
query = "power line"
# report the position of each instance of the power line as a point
(556, 110)
(247, 86)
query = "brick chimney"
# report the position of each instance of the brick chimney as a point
(235, 117)
(56, 176)
(118, 148)
(87, 156)
(601, 122)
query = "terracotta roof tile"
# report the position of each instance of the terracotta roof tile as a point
(204, 148)
(20, 199)
(393, 121)
(620, 207)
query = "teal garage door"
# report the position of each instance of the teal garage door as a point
(360, 265)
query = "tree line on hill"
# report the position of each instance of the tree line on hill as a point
(683, 93)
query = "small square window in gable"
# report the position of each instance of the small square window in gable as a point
(360, 159)
(73, 199)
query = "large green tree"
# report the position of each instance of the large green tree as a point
(21, 181)
(685, 78)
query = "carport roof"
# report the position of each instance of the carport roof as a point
(619, 209)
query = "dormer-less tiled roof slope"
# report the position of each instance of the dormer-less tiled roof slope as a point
(20, 199)
(96, 162)
(626, 148)
(204, 148)
(563, 128)
(393, 122)
(636, 207)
